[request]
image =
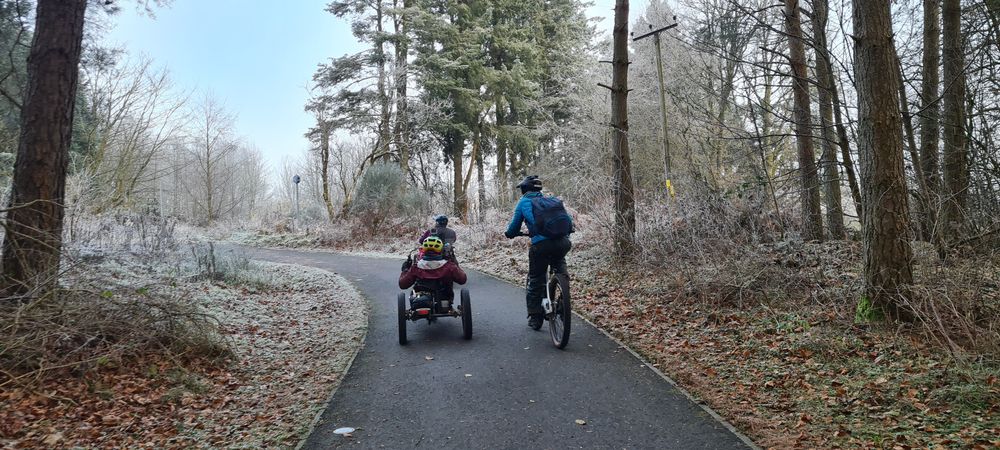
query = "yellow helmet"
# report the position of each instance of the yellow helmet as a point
(433, 244)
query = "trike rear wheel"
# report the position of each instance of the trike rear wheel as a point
(401, 310)
(466, 315)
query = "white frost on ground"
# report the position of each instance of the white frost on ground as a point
(294, 341)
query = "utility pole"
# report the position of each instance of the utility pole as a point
(295, 222)
(665, 142)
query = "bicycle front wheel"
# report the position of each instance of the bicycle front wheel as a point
(559, 320)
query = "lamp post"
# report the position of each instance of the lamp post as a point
(296, 179)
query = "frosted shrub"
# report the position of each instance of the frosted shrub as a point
(383, 195)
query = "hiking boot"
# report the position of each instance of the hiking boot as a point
(535, 321)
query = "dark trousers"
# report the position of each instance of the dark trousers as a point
(541, 256)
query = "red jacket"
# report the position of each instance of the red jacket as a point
(444, 270)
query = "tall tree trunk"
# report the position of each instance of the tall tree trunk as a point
(400, 128)
(812, 218)
(831, 174)
(930, 131)
(904, 110)
(324, 156)
(32, 244)
(382, 148)
(624, 188)
(956, 169)
(209, 198)
(481, 188)
(888, 273)
(845, 151)
(456, 143)
(504, 190)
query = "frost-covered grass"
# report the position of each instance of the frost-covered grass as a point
(277, 340)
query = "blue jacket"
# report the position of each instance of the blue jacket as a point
(523, 214)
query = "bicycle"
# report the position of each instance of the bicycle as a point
(557, 306)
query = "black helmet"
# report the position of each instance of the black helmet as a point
(441, 220)
(530, 183)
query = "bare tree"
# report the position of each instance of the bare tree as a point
(33, 240)
(211, 146)
(812, 218)
(886, 236)
(132, 117)
(956, 166)
(930, 127)
(828, 135)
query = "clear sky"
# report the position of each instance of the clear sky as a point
(256, 56)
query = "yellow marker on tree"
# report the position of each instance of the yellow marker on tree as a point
(670, 188)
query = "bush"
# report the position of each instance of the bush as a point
(383, 195)
(233, 267)
(85, 328)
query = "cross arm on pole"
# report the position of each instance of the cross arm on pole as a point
(654, 32)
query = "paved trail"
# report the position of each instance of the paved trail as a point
(522, 393)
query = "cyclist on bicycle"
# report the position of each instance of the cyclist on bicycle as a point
(549, 226)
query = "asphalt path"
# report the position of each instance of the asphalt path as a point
(508, 387)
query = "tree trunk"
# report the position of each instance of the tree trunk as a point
(401, 126)
(32, 244)
(504, 190)
(956, 169)
(930, 131)
(886, 236)
(845, 151)
(624, 188)
(324, 156)
(831, 174)
(457, 146)
(812, 217)
(904, 110)
(382, 146)
(481, 178)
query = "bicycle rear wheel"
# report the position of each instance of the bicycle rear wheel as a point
(559, 320)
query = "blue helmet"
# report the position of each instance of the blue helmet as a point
(441, 220)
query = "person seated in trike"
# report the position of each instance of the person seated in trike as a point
(440, 230)
(432, 278)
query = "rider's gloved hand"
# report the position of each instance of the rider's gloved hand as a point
(510, 235)
(407, 264)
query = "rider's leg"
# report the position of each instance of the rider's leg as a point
(560, 249)
(537, 271)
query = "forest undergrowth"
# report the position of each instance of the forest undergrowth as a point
(192, 348)
(766, 329)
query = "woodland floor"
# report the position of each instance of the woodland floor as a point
(769, 339)
(290, 331)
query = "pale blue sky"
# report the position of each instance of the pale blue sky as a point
(256, 56)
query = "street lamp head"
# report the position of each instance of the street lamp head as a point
(296, 179)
